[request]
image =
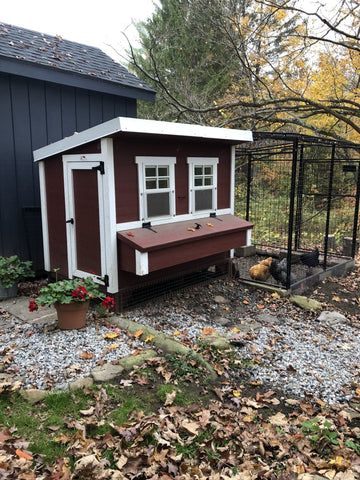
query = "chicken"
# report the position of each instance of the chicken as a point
(261, 271)
(279, 270)
(310, 259)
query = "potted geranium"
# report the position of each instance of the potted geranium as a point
(71, 300)
(13, 271)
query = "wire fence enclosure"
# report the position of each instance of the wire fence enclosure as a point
(300, 192)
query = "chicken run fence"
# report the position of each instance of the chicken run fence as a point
(301, 193)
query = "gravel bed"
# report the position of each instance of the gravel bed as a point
(308, 360)
(297, 353)
(305, 359)
(45, 357)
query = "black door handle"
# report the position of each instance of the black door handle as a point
(70, 221)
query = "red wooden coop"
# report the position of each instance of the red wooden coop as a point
(133, 202)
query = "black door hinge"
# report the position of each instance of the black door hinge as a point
(100, 168)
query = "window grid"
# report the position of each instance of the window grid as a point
(202, 184)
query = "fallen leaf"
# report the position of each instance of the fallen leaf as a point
(110, 335)
(138, 333)
(336, 299)
(279, 420)
(86, 355)
(88, 412)
(177, 332)
(236, 393)
(208, 331)
(5, 435)
(22, 454)
(149, 338)
(192, 427)
(170, 397)
(245, 302)
(260, 306)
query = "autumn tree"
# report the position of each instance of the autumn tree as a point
(184, 57)
(286, 67)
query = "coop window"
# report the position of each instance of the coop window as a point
(156, 186)
(202, 183)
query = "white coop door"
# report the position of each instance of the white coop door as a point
(85, 226)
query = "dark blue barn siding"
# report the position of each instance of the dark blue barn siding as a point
(68, 110)
(8, 184)
(35, 113)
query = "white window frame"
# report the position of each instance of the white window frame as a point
(142, 162)
(203, 161)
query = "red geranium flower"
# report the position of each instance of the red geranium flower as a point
(108, 302)
(32, 305)
(79, 293)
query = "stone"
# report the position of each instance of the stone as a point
(84, 382)
(220, 299)
(305, 303)
(268, 318)
(33, 395)
(333, 318)
(248, 327)
(18, 307)
(107, 372)
(216, 341)
(222, 321)
(131, 361)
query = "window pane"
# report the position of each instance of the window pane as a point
(198, 182)
(150, 171)
(163, 171)
(164, 183)
(150, 184)
(203, 199)
(158, 204)
(208, 170)
(198, 170)
(208, 181)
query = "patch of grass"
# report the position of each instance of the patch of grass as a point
(185, 367)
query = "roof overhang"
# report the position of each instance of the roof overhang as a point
(72, 79)
(146, 127)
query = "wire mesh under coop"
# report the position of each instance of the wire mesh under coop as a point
(301, 192)
(133, 296)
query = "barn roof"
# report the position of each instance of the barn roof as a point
(126, 125)
(44, 57)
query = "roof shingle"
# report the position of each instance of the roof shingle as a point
(21, 44)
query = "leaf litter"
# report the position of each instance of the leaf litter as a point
(243, 432)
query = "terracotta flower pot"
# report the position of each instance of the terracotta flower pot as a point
(71, 315)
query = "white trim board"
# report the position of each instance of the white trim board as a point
(150, 127)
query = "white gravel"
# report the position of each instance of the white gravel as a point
(46, 357)
(313, 359)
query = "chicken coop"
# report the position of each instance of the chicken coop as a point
(302, 195)
(141, 206)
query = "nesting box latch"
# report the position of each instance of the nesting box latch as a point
(213, 215)
(100, 168)
(148, 226)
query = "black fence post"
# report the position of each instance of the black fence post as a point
(291, 210)
(328, 207)
(299, 204)
(248, 188)
(356, 214)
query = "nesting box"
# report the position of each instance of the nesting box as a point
(134, 200)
